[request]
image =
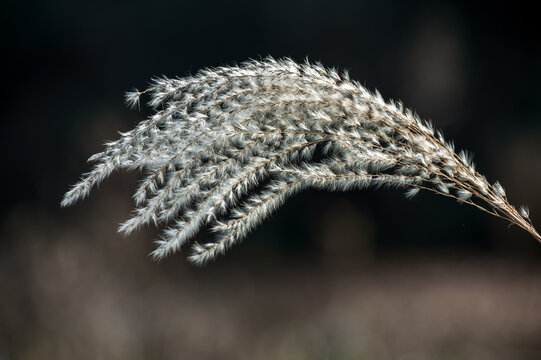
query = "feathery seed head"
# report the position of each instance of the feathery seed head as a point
(499, 189)
(524, 211)
(132, 98)
(252, 131)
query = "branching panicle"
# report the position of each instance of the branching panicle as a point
(252, 130)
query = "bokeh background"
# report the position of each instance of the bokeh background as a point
(358, 275)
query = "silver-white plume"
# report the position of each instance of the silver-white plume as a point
(228, 146)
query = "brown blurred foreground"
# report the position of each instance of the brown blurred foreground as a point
(73, 289)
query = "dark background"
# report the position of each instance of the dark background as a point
(365, 274)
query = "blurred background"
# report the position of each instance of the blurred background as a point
(358, 275)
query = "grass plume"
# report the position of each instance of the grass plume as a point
(218, 136)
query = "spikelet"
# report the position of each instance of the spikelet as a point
(224, 132)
